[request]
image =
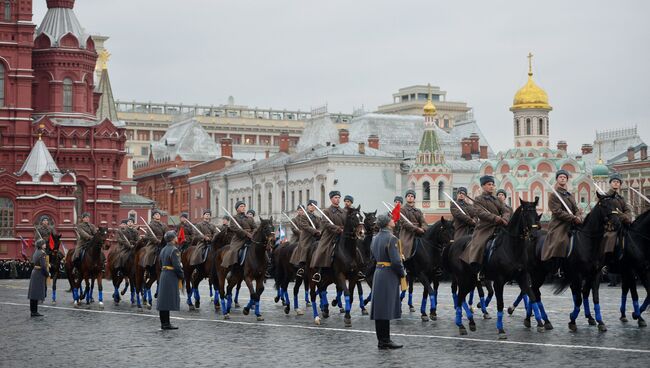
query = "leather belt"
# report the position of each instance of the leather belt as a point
(37, 267)
(383, 264)
(169, 268)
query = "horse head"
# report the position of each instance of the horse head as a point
(222, 238)
(265, 233)
(354, 225)
(440, 234)
(525, 219)
(370, 221)
(603, 214)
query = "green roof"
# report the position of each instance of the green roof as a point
(429, 141)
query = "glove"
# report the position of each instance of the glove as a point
(249, 235)
(420, 230)
(339, 230)
(577, 220)
(317, 234)
(502, 221)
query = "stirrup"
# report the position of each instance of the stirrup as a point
(300, 272)
(604, 270)
(360, 276)
(480, 277)
(316, 277)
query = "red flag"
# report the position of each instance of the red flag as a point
(23, 243)
(181, 235)
(395, 212)
(51, 242)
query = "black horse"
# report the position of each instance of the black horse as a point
(344, 268)
(505, 260)
(584, 263)
(634, 262)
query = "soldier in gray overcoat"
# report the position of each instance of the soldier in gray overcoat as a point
(308, 235)
(37, 287)
(171, 273)
(386, 282)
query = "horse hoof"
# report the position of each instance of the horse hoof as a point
(211, 299)
(472, 325)
(502, 335)
(197, 304)
(623, 319)
(226, 316)
(317, 321)
(486, 315)
(642, 322)
(592, 321)
(573, 327)
(216, 308)
(548, 326)
(260, 318)
(299, 312)
(191, 307)
(140, 310)
(334, 303)
(433, 316)
(237, 305)
(53, 302)
(462, 330)
(341, 310)
(602, 327)
(155, 295)
(527, 322)
(287, 309)
(245, 311)
(348, 322)
(511, 310)
(471, 309)
(76, 305)
(424, 318)
(307, 304)
(364, 312)
(540, 328)
(148, 306)
(634, 316)
(277, 299)
(411, 309)
(326, 314)
(101, 305)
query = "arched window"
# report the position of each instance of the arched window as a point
(270, 203)
(2, 84)
(67, 95)
(284, 201)
(517, 131)
(322, 195)
(426, 191)
(7, 10)
(6, 218)
(540, 126)
(259, 202)
(528, 128)
(441, 190)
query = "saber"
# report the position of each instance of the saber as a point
(308, 218)
(324, 215)
(125, 238)
(291, 221)
(195, 228)
(560, 198)
(148, 227)
(451, 199)
(232, 218)
(598, 188)
(641, 195)
(400, 213)
(39, 233)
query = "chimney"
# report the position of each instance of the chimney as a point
(266, 154)
(284, 142)
(362, 148)
(226, 147)
(344, 136)
(483, 153)
(373, 141)
(644, 152)
(474, 139)
(562, 145)
(466, 146)
(630, 154)
(587, 149)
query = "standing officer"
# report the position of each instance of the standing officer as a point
(417, 226)
(171, 274)
(330, 233)
(308, 236)
(209, 232)
(490, 212)
(38, 278)
(242, 236)
(464, 223)
(386, 282)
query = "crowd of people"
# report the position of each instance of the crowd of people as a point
(15, 269)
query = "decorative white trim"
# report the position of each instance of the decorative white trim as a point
(43, 183)
(102, 201)
(47, 195)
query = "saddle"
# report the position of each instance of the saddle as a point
(241, 255)
(489, 249)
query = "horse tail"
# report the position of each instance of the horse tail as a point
(561, 285)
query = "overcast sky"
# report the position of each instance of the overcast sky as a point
(592, 57)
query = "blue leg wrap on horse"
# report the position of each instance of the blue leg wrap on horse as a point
(223, 306)
(468, 311)
(149, 295)
(338, 298)
(53, 295)
(236, 295)
(471, 297)
(323, 298)
(487, 301)
(189, 299)
(500, 320)
(295, 301)
(361, 305)
(229, 304)
(197, 296)
(250, 304)
(637, 310)
(157, 289)
(585, 302)
(538, 315)
(306, 296)
(432, 300)
(459, 316)
(599, 318)
(314, 309)
(423, 306)
(645, 304)
(100, 295)
(132, 296)
(216, 296)
(74, 294)
(529, 310)
(210, 287)
(623, 302)
(526, 302)
(454, 297)
(286, 297)
(410, 299)
(542, 310)
(518, 300)
(348, 304)
(279, 293)
(257, 308)
(137, 299)
(483, 305)
(435, 293)
(402, 294)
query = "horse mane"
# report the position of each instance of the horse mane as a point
(640, 222)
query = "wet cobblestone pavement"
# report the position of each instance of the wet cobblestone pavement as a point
(119, 335)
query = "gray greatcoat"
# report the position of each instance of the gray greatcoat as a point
(408, 232)
(306, 238)
(609, 239)
(386, 280)
(169, 298)
(463, 222)
(556, 244)
(37, 288)
(487, 208)
(239, 239)
(324, 252)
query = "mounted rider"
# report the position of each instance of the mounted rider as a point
(330, 234)
(85, 231)
(502, 195)
(189, 236)
(411, 231)
(44, 230)
(209, 232)
(125, 242)
(242, 237)
(490, 212)
(308, 235)
(556, 244)
(624, 212)
(155, 240)
(464, 223)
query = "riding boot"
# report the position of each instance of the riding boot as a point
(33, 307)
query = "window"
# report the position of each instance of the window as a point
(517, 127)
(446, 123)
(322, 195)
(67, 95)
(259, 202)
(307, 197)
(299, 197)
(293, 199)
(528, 129)
(6, 218)
(284, 201)
(540, 127)
(7, 10)
(144, 151)
(270, 203)
(426, 190)
(441, 190)
(2, 85)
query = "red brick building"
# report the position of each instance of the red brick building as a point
(47, 89)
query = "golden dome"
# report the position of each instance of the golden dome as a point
(429, 108)
(530, 96)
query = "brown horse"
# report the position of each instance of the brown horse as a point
(128, 271)
(285, 272)
(90, 268)
(195, 274)
(253, 269)
(145, 276)
(55, 258)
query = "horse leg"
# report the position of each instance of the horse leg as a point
(54, 278)
(410, 291)
(460, 304)
(524, 286)
(348, 294)
(285, 296)
(296, 290)
(116, 288)
(251, 290)
(482, 304)
(595, 285)
(575, 292)
(237, 294)
(196, 280)
(498, 290)
(210, 288)
(362, 301)
(512, 308)
(433, 312)
(625, 287)
(423, 304)
(585, 302)
(314, 306)
(100, 292)
(259, 289)
(307, 296)
(225, 307)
